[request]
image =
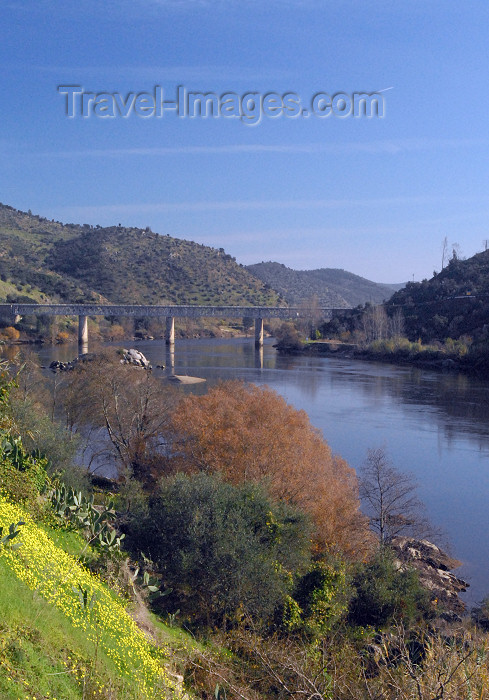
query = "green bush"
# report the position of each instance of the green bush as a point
(23, 486)
(384, 595)
(322, 595)
(18, 486)
(226, 551)
(49, 436)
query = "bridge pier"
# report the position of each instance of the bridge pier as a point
(258, 332)
(170, 330)
(82, 330)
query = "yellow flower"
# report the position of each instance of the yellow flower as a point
(57, 576)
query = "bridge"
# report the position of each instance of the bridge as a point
(83, 311)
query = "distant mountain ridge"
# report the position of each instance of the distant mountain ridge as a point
(331, 286)
(45, 260)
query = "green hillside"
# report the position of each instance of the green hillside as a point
(48, 260)
(332, 287)
(451, 304)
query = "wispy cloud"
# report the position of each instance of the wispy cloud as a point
(213, 74)
(392, 147)
(226, 3)
(230, 149)
(255, 205)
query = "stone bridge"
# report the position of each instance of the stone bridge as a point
(83, 311)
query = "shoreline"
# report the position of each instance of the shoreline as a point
(443, 363)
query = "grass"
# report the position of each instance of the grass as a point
(41, 654)
(10, 288)
(55, 645)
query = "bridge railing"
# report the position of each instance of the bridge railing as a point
(175, 311)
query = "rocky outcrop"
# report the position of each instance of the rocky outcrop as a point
(58, 366)
(434, 568)
(134, 357)
(129, 357)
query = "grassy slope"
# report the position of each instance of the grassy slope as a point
(9, 288)
(48, 649)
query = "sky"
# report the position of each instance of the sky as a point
(375, 196)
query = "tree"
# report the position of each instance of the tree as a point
(288, 337)
(383, 594)
(247, 323)
(226, 551)
(310, 316)
(128, 404)
(390, 498)
(250, 434)
(375, 323)
(10, 333)
(396, 324)
(456, 252)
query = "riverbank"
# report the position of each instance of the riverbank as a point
(180, 333)
(429, 358)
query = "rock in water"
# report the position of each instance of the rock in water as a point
(185, 379)
(136, 358)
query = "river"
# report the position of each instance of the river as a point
(433, 425)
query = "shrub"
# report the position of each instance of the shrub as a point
(226, 551)
(19, 487)
(10, 333)
(322, 595)
(250, 434)
(288, 337)
(22, 476)
(63, 337)
(49, 436)
(383, 594)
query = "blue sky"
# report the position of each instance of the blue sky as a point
(373, 196)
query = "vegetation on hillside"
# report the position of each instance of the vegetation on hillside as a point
(409, 327)
(441, 322)
(285, 592)
(330, 286)
(451, 304)
(43, 260)
(64, 632)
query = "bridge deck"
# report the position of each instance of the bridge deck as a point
(164, 311)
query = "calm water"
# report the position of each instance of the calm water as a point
(433, 425)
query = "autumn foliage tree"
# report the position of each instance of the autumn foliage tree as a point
(9, 333)
(250, 434)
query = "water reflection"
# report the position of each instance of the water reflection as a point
(259, 357)
(170, 359)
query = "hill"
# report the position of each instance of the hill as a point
(330, 285)
(451, 304)
(50, 261)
